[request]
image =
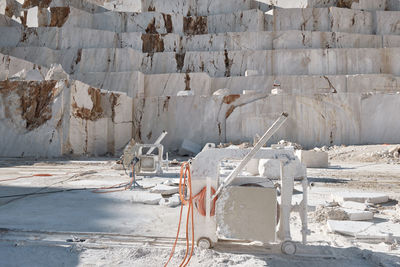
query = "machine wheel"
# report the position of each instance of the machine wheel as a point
(204, 243)
(288, 248)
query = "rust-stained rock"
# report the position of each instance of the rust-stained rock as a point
(346, 3)
(77, 60)
(166, 104)
(187, 82)
(27, 32)
(228, 64)
(59, 15)
(152, 43)
(78, 56)
(38, 3)
(90, 114)
(151, 28)
(137, 120)
(168, 23)
(13, 8)
(229, 111)
(195, 25)
(180, 61)
(228, 99)
(24, 18)
(113, 102)
(35, 100)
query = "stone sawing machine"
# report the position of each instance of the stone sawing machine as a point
(248, 208)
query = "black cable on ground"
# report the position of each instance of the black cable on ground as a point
(39, 192)
(50, 192)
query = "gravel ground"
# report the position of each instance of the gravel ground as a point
(85, 211)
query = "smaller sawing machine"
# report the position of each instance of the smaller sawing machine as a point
(248, 208)
(148, 163)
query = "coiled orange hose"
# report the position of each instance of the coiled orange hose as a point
(199, 199)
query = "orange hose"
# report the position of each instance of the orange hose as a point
(199, 199)
(97, 191)
(117, 187)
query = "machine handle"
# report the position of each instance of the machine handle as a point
(264, 139)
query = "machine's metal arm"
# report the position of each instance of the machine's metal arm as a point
(157, 142)
(264, 139)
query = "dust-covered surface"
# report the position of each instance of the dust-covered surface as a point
(73, 213)
(373, 153)
(38, 255)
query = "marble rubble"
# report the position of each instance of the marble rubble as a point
(203, 70)
(350, 228)
(362, 197)
(358, 215)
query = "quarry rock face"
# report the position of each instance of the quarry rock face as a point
(52, 118)
(85, 77)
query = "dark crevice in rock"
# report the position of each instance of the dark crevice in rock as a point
(27, 32)
(195, 25)
(113, 101)
(187, 82)
(180, 61)
(152, 43)
(168, 23)
(166, 103)
(228, 64)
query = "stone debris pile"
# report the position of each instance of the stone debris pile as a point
(389, 154)
(352, 214)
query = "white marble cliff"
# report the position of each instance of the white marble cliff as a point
(84, 77)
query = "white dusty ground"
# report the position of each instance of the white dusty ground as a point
(34, 229)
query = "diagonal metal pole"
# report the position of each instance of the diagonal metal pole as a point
(264, 139)
(157, 142)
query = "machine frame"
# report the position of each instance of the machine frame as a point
(205, 173)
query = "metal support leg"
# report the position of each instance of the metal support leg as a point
(304, 211)
(287, 182)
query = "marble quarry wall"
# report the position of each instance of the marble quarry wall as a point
(50, 118)
(84, 77)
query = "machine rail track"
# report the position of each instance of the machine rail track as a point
(102, 240)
